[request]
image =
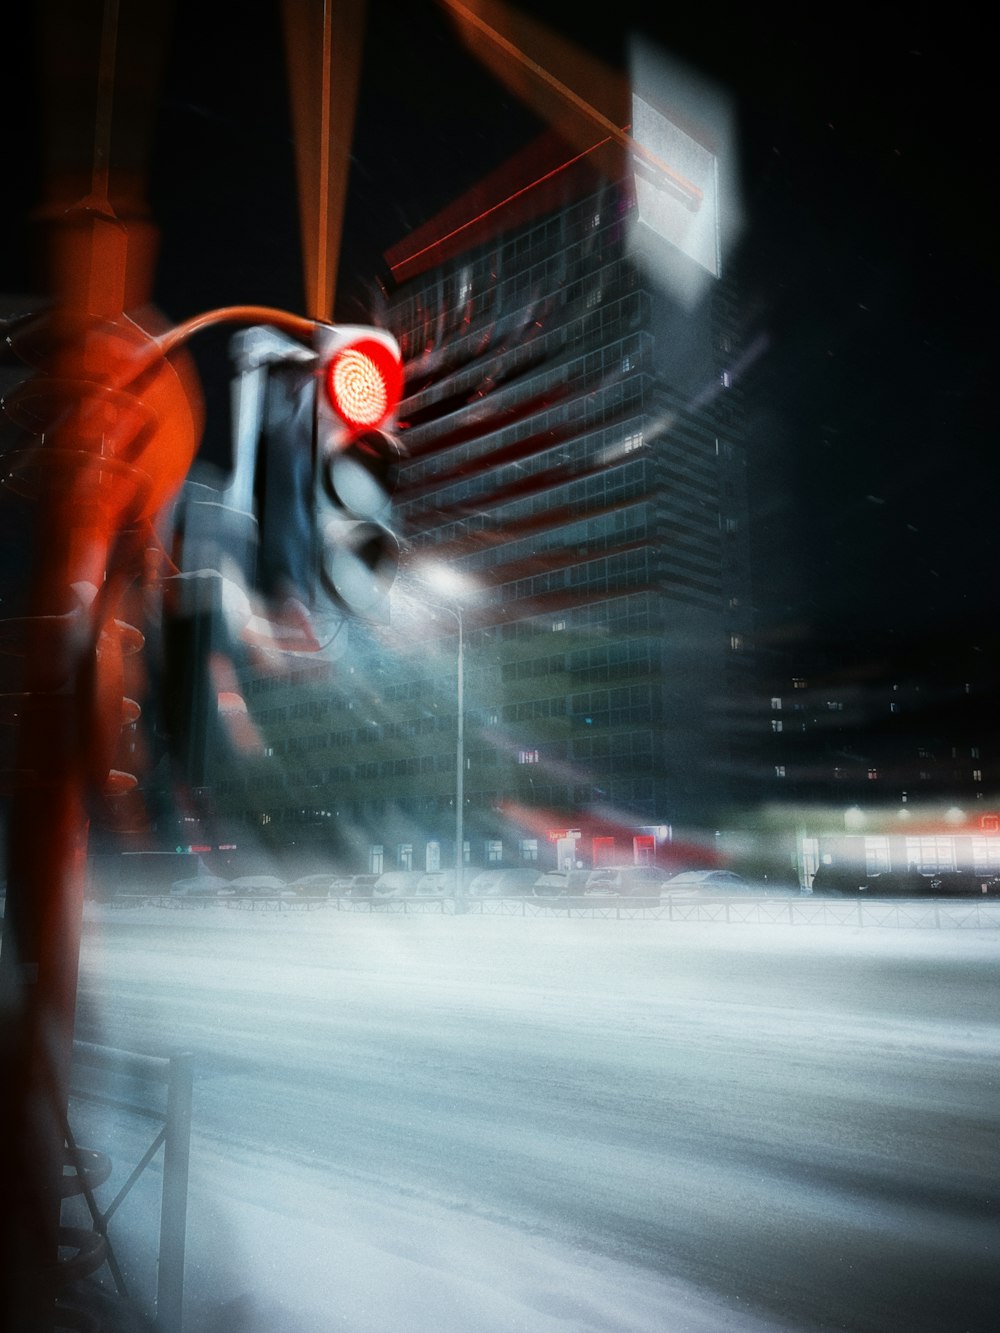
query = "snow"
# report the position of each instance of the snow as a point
(486, 1124)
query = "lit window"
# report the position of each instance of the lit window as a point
(527, 756)
(798, 683)
(977, 775)
(872, 774)
(776, 704)
(529, 849)
(779, 770)
(494, 852)
(736, 642)
(776, 724)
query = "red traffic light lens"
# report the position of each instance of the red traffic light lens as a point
(364, 382)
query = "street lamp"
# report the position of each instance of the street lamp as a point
(447, 581)
(456, 611)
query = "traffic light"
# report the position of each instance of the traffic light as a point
(301, 524)
(317, 465)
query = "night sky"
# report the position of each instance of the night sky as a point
(867, 261)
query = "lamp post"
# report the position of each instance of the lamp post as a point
(460, 765)
(456, 611)
(455, 587)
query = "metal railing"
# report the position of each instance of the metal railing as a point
(918, 913)
(157, 1089)
(804, 911)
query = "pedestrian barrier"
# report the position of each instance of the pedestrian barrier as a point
(805, 911)
(905, 913)
(159, 1090)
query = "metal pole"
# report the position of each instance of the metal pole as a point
(460, 770)
(173, 1200)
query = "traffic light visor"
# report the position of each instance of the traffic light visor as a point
(364, 382)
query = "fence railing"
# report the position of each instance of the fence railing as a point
(900, 913)
(158, 1090)
(807, 911)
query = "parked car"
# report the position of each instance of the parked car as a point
(435, 884)
(631, 881)
(318, 885)
(258, 886)
(412, 884)
(200, 886)
(556, 883)
(838, 881)
(964, 884)
(708, 882)
(356, 886)
(501, 883)
(712, 883)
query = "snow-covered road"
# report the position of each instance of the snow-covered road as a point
(486, 1124)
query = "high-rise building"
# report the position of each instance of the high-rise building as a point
(572, 426)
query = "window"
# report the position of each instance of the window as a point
(776, 704)
(529, 850)
(876, 855)
(986, 854)
(930, 854)
(779, 770)
(776, 724)
(494, 851)
(527, 756)
(873, 774)
(404, 856)
(376, 859)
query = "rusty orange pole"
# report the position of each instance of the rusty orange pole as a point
(115, 428)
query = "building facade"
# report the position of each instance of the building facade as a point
(572, 433)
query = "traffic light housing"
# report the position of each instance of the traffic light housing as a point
(323, 467)
(302, 522)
